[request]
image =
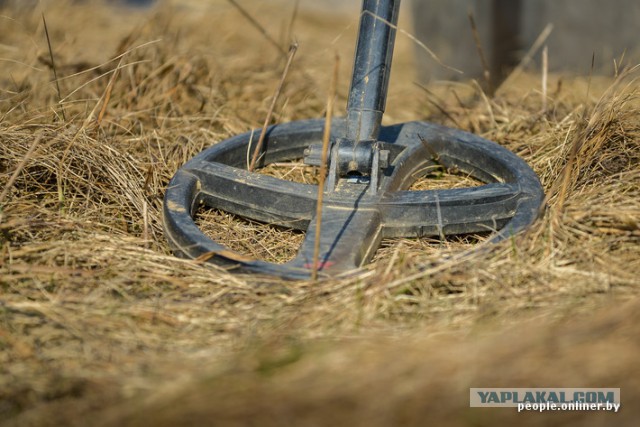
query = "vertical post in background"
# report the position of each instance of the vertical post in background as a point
(506, 28)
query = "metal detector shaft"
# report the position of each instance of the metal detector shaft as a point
(371, 69)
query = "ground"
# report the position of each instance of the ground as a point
(101, 325)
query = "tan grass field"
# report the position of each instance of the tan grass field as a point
(101, 326)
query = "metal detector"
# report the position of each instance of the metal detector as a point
(371, 167)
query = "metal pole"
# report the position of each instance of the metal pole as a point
(372, 65)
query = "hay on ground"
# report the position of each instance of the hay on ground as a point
(100, 324)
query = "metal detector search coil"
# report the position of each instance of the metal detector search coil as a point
(370, 169)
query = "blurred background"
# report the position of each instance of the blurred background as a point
(576, 32)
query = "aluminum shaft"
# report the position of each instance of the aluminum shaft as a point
(371, 69)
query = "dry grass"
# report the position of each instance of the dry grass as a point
(100, 325)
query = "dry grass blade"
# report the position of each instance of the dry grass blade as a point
(258, 26)
(483, 59)
(54, 68)
(545, 77)
(423, 46)
(292, 21)
(19, 169)
(326, 136)
(263, 134)
(107, 95)
(524, 62)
